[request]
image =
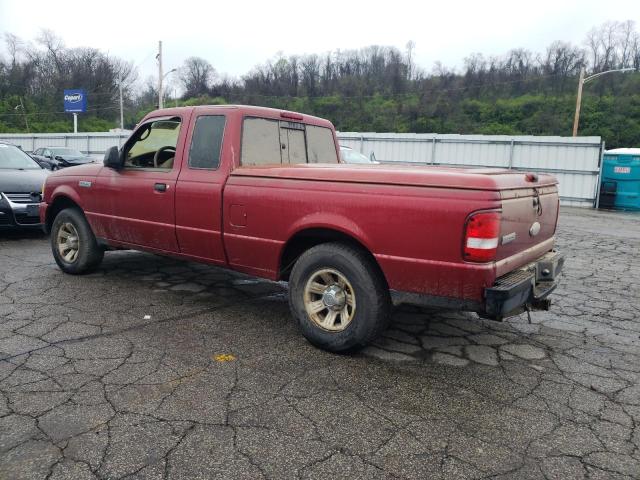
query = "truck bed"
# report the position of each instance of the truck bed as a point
(492, 179)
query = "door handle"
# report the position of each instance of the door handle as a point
(161, 187)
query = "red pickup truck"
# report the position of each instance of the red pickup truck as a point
(262, 191)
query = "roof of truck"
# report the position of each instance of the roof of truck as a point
(249, 110)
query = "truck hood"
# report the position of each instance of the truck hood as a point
(495, 179)
(85, 170)
(22, 181)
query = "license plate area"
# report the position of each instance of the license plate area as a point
(33, 210)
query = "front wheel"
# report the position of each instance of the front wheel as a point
(73, 244)
(339, 297)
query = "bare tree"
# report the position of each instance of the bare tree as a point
(196, 75)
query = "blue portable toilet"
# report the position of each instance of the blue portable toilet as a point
(620, 183)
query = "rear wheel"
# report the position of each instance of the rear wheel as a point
(73, 244)
(339, 297)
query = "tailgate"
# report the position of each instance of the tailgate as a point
(529, 217)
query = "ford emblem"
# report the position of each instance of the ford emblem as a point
(534, 229)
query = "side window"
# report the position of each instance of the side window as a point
(260, 142)
(206, 142)
(153, 145)
(320, 145)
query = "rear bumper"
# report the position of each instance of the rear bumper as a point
(527, 287)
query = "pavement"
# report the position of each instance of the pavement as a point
(156, 368)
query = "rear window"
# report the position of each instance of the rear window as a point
(260, 142)
(268, 142)
(320, 145)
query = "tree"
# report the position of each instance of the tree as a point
(196, 75)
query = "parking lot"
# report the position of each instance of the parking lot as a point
(155, 368)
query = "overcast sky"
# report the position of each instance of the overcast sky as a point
(235, 36)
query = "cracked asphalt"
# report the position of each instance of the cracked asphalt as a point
(155, 368)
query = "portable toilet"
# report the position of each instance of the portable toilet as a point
(620, 183)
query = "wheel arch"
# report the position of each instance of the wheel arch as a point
(60, 202)
(307, 238)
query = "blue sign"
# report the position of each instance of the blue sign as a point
(75, 101)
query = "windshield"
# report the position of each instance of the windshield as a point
(351, 156)
(67, 152)
(11, 157)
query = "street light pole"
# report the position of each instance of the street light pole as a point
(121, 103)
(24, 113)
(576, 118)
(160, 76)
(161, 103)
(581, 82)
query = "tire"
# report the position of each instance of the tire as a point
(363, 309)
(71, 223)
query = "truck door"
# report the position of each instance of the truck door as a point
(137, 202)
(199, 188)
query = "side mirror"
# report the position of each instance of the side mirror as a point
(58, 157)
(112, 158)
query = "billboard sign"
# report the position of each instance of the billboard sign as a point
(75, 101)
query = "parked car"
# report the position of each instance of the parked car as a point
(21, 180)
(261, 191)
(53, 158)
(349, 155)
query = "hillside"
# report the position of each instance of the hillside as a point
(371, 89)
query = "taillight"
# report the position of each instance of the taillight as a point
(482, 236)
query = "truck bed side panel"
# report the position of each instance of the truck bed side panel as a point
(406, 228)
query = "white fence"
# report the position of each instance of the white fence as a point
(576, 162)
(90, 143)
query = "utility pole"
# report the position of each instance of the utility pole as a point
(576, 118)
(121, 108)
(159, 57)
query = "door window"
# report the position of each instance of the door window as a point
(206, 142)
(153, 145)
